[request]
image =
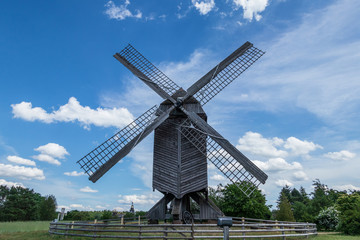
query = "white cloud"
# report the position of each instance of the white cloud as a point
(59, 207)
(53, 149)
(74, 174)
(277, 165)
(76, 206)
(251, 8)
(10, 184)
(88, 190)
(100, 207)
(300, 176)
(343, 155)
(73, 111)
(120, 12)
(119, 209)
(139, 199)
(22, 161)
(346, 187)
(321, 78)
(217, 177)
(283, 183)
(203, 6)
(49, 153)
(26, 173)
(255, 143)
(299, 147)
(47, 158)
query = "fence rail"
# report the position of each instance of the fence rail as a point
(243, 228)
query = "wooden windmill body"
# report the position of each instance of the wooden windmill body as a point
(183, 141)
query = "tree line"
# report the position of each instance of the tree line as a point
(328, 208)
(23, 204)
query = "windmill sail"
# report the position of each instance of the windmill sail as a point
(230, 161)
(224, 73)
(147, 72)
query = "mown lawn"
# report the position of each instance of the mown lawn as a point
(9, 227)
(39, 231)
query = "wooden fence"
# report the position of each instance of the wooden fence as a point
(243, 228)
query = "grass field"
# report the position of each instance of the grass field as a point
(39, 231)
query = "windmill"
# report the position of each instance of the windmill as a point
(183, 140)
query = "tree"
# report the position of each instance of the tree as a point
(304, 195)
(48, 208)
(328, 219)
(19, 204)
(107, 214)
(349, 208)
(233, 202)
(320, 198)
(296, 196)
(284, 212)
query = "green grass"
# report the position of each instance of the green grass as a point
(39, 231)
(336, 236)
(9, 227)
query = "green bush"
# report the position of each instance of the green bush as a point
(328, 219)
(106, 214)
(349, 208)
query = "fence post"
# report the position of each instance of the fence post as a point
(283, 232)
(95, 221)
(139, 220)
(243, 226)
(140, 232)
(66, 230)
(72, 224)
(192, 231)
(165, 233)
(307, 231)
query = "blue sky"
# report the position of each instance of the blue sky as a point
(295, 112)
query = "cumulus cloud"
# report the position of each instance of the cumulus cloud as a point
(88, 190)
(300, 176)
(139, 199)
(48, 159)
(347, 187)
(49, 153)
(343, 155)
(299, 147)
(120, 12)
(217, 177)
(256, 144)
(251, 8)
(10, 184)
(283, 183)
(73, 111)
(26, 173)
(19, 160)
(204, 6)
(74, 174)
(76, 206)
(277, 165)
(53, 149)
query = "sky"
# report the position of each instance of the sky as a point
(294, 113)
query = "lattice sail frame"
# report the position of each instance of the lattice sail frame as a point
(100, 155)
(228, 74)
(229, 166)
(130, 54)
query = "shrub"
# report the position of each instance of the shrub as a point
(328, 219)
(349, 207)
